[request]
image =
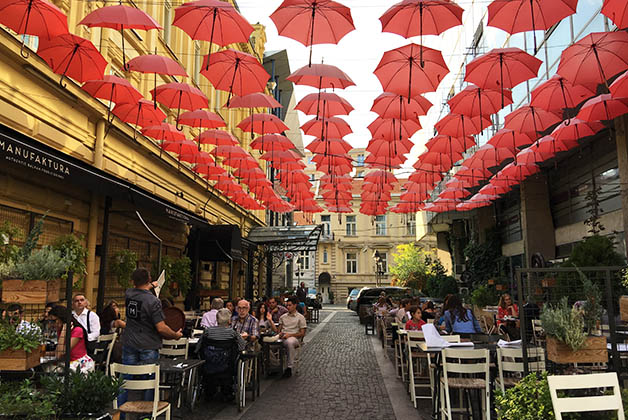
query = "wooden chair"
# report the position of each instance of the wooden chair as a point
(104, 348)
(457, 361)
(196, 333)
(400, 346)
(175, 348)
(510, 362)
(416, 360)
(595, 381)
(155, 408)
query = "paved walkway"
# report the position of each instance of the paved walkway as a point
(343, 374)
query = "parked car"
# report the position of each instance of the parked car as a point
(368, 297)
(352, 297)
(353, 304)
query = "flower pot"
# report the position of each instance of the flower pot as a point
(31, 291)
(623, 308)
(19, 359)
(594, 351)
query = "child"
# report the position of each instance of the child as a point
(416, 322)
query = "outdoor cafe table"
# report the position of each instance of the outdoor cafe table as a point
(437, 366)
(179, 367)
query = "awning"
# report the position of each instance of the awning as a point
(19, 150)
(287, 238)
(216, 243)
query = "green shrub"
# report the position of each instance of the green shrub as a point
(72, 247)
(122, 265)
(483, 296)
(528, 400)
(22, 400)
(564, 323)
(43, 264)
(27, 339)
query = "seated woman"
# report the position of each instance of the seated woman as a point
(110, 319)
(265, 318)
(460, 320)
(507, 309)
(79, 360)
(416, 322)
(429, 312)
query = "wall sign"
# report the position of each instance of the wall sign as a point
(31, 158)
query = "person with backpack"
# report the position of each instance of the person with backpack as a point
(88, 320)
(79, 359)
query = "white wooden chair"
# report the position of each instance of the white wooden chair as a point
(415, 358)
(510, 362)
(196, 333)
(155, 408)
(104, 348)
(400, 345)
(175, 348)
(588, 403)
(481, 359)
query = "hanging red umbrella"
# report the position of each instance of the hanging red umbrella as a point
(490, 155)
(179, 146)
(231, 152)
(470, 177)
(325, 103)
(389, 105)
(215, 21)
(427, 178)
(181, 95)
(494, 190)
(619, 88)
(530, 120)
(410, 18)
(235, 72)
(617, 11)
(140, 114)
(595, 58)
(404, 72)
(198, 157)
(156, 64)
(331, 127)
(113, 89)
(272, 142)
(454, 193)
(473, 101)
(558, 93)
(549, 146)
(502, 68)
(253, 100)
(217, 138)
(531, 156)
(603, 107)
(573, 129)
(321, 76)
(263, 124)
(313, 21)
(457, 125)
(392, 129)
(210, 170)
(389, 160)
(202, 118)
(120, 17)
(440, 162)
(398, 147)
(514, 16)
(163, 132)
(329, 146)
(449, 144)
(510, 139)
(33, 17)
(72, 56)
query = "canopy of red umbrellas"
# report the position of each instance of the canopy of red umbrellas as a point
(562, 110)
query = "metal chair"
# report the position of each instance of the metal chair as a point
(104, 348)
(155, 408)
(175, 348)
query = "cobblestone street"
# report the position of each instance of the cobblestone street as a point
(339, 377)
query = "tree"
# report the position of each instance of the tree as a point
(420, 269)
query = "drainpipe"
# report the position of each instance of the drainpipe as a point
(94, 212)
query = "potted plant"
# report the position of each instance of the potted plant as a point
(33, 276)
(72, 246)
(19, 350)
(122, 265)
(570, 330)
(88, 396)
(529, 399)
(23, 400)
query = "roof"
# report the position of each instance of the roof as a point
(287, 238)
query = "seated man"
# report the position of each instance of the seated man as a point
(209, 318)
(292, 328)
(245, 324)
(15, 314)
(219, 347)
(275, 309)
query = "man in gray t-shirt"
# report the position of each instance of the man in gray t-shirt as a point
(145, 326)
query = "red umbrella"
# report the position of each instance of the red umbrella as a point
(163, 132)
(510, 139)
(113, 89)
(530, 156)
(209, 170)
(217, 138)
(330, 126)
(530, 120)
(120, 17)
(491, 189)
(389, 105)
(619, 88)
(202, 118)
(236, 72)
(617, 11)
(404, 72)
(154, 63)
(313, 21)
(321, 76)
(197, 157)
(471, 176)
(558, 93)
(254, 100)
(549, 146)
(392, 129)
(271, 142)
(514, 16)
(386, 161)
(603, 107)
(439, 161)
(491, 155)
(595, 58)
(410, 18)
(263, 124)
(513, 173)
(428, 178)
(141, 114)
(72, 56)
(215, 21)
(33, 17)
(502, 68)
(181, 95)
(573, 129)
(324, 103)
(231, 152)
(180, 146)
(329, 146)
(399, 147)
(449, 144)
(454, 193)
(457, 125)
(473, 101)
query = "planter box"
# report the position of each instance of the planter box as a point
(623, 308)
(31, 291)
(594, 351)
(19, 359)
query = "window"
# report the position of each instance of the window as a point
(380, 225)
(31, 41)
(352, 263)
(197, 61)
(304, 260)
(360, 160)
(326, 221)
(384, 262)
(167, 21)
(411, 225)
(351, 226)
(325, 256)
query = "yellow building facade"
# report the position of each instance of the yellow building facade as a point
(39, 120)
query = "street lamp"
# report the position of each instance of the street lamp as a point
(379, 268)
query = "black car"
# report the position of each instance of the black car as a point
(368, 297)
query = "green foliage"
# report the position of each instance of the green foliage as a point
(483, 296)
(22, 400)
(32, 239)
(122, 265)
(484, 261)
(592, 310)
(43, 264)
(594, 251)
(530, 399)
(420, 269)
(438, 283)
(27, 339)
(564, 323)
(91, 393)
(177, 271)
(71, 246)
(8, 250)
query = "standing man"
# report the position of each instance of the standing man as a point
(245, 324)
(275, 310)
(292, 328)
(145, 326)
(88, 319)
(301, 293)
